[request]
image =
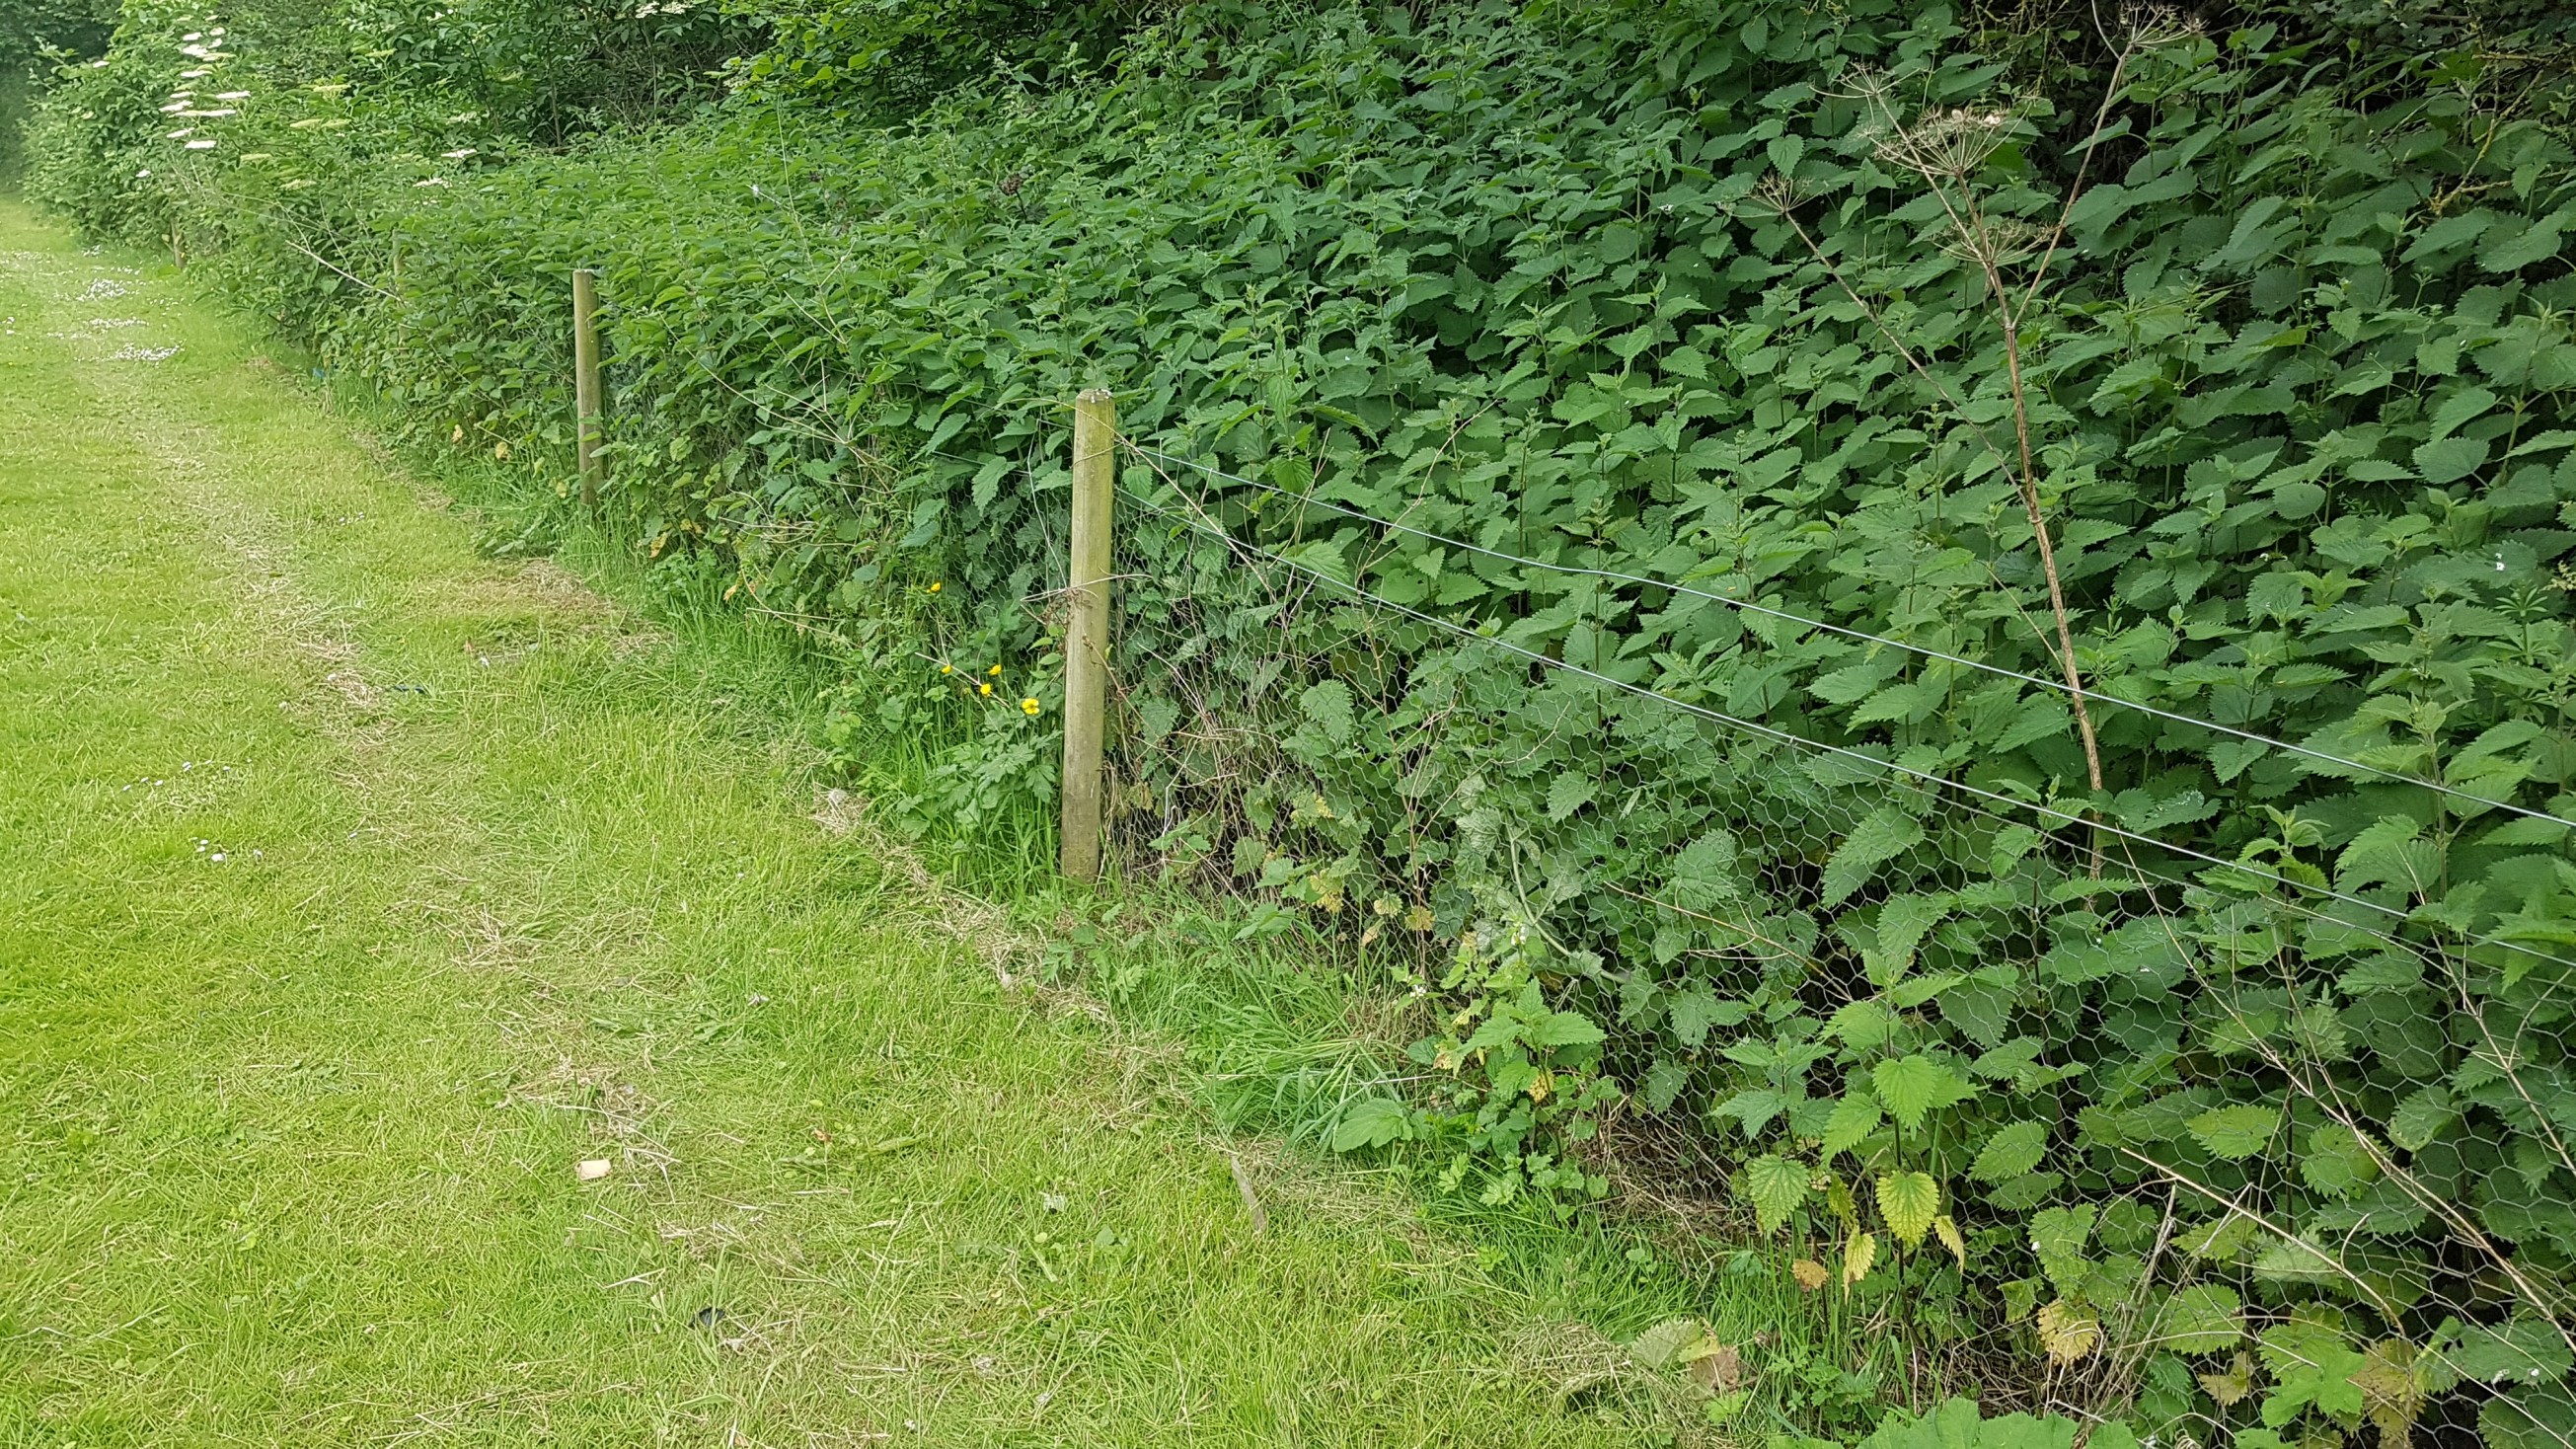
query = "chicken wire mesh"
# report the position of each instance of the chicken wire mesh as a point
(2263, 1147)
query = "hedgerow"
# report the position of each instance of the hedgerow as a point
(2233, 1075)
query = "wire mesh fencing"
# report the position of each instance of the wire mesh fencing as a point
(2242, 1131)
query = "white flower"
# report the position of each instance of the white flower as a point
(233, 96)
(201, 145)
(139, 175)
(459, 153)
(200, 73)
(298, 184)
(193, 36)
(174, 108)
(181, 134)
(433, 181)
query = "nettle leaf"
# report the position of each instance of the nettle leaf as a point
(1907, 1202)
(2202, 1318)
(1855, 1116)
(2237, 1132)
(2449, 460)
(1566, 1029)
(1912, 1088)
(1567, 793)
(1775, 1186)
(1883, 835)
(2012, 1150)
(2335, 1161)
(2421, 1119)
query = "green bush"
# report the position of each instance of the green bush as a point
(2244, 1063)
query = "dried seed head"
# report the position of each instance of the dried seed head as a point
(2151, 26)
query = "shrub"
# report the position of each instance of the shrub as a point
(2235, 1082)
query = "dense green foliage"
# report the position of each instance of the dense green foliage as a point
(1674, 309)
(36, 36)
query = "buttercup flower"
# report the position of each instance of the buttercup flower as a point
(1028, 706)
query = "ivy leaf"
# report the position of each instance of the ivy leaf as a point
(1775, 1186)
(2012, 1151)
(1907, 1202)
(1913, 1087)
(2235, 1133)
(1885, 834)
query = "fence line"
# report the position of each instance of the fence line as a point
(1748, 606)
(1923, 781)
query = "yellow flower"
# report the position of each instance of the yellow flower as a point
(983, 689)
(944, 669)
(1028, 706)
(934, 588)
(996, 671)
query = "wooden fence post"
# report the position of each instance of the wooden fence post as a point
(585, 384)
(1086, 644)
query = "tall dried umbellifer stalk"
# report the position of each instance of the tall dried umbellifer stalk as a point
(1947, 150)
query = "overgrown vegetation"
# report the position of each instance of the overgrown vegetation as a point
(2217, 363)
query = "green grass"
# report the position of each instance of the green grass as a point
(355, 887)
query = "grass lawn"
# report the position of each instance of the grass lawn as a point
(356, 888)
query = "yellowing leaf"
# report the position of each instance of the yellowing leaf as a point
(2228, 1387)
(2067, 1332)
(1811, 1275)
(1948, 1232)
(1858, 1256)
(1907, 1203)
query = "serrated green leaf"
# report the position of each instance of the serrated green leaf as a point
(2199, 1319)
(1855, 1116)
(1907, 1203)
(2235, 1133)
(1775, 1186)
(1912, 1088)
(2422, 1117)
(2010, 1152)
(1566, 1029)
(1883, 835)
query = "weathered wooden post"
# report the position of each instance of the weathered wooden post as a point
(1086, 644)
(585, 384)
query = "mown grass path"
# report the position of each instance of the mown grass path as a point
(354, 888)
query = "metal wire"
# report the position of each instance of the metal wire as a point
(1932, 783)
(1747, 606)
